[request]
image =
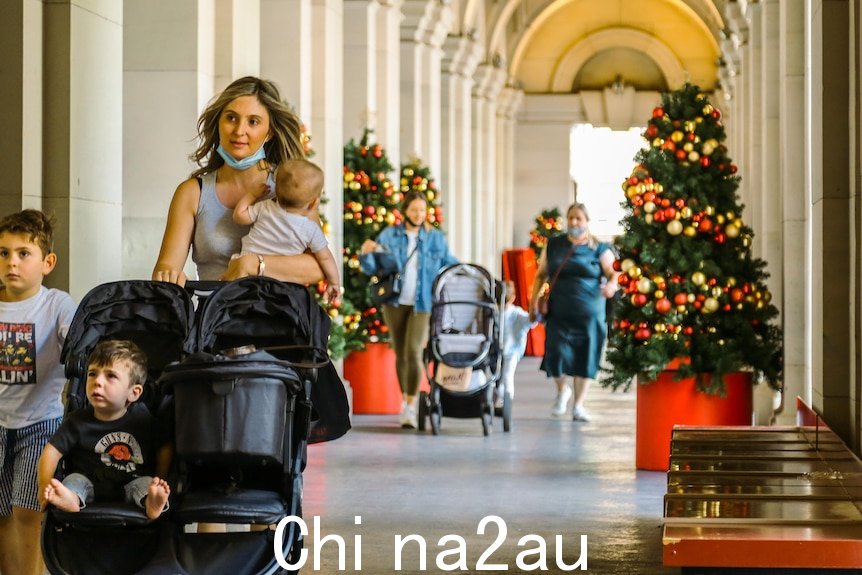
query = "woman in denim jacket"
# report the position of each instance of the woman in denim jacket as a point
(421, 252)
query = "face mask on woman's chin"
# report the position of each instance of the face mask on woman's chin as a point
(412, 223)
(576, 232)
(245, 163)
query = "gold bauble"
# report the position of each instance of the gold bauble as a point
(710, 304)
(674, 227)
(644, 285)
(689, 231)
(710, 210)
(716, 291)
(648, 218)
(677, 136)
(649, 207)
(635, 272)
(698, 278)
(685, 212)
(688, 147)
(658, 294)
(627, 264)
(693, 156)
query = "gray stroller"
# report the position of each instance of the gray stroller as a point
(463, 353)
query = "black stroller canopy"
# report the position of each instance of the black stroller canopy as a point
(155, 315)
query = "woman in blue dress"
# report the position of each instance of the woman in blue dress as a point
(575, 327)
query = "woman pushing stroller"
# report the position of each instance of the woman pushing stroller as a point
(420, 252)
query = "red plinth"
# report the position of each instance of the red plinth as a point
(663, 403)
(371, 373)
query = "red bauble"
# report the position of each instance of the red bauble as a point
(369, 210)
(651, 131)
(736, 295)
(642, 334)
(704, 225)
(663, 305)
(658, 112)
(680, 298)
(705, 161)
(688, 330)
(618, 266)
(681, 155)
(639, 299)
(720, 238)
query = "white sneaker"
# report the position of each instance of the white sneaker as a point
(580, 414)
(408, 417)
(561, 402)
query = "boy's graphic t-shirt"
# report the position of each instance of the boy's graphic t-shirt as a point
(109, 453)
(31, 375)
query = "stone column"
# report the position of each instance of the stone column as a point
(489, 82)
(327, 106)
(752, 174)
(237, 40)
(83, 139)
(425, 26)
(389, 71)
(830, 145)
(462, 54)
(770, 181)
(507, 106)
(21, 97)
(167, 50)
(361, 80)
(794, 195)
(285, 51)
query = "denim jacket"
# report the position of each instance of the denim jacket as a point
(433, 253)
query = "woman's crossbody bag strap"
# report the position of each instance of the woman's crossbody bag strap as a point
(560, 268)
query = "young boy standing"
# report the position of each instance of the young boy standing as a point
(516, 326)
(33, 324)
(113, 446)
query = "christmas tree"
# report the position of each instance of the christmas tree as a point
(548, 224)
(370, 205)
(692, 289)
(417, 177)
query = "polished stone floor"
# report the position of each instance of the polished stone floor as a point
(567, 487)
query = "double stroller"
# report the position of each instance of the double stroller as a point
(246, 382)
(464, 354)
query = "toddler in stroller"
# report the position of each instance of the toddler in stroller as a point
(464, 348)
(241, 419)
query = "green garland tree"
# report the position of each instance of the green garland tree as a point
(415, 176)
(370, 205)
(548, 224)
(691, 286)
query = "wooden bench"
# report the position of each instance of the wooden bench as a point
(763, 497)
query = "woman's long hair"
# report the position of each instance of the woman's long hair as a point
(285, 128)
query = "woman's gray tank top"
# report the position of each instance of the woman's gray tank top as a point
(216, 235)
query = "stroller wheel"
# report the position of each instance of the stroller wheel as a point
(487, 419)
(434, 414)
(507, 412)
(423, 411)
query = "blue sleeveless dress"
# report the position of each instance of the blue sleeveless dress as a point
(575, 329)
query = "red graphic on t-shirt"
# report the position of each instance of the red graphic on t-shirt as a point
(120, 452)
(17, 354)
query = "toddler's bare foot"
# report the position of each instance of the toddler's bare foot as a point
(157, 495)
(62, 497)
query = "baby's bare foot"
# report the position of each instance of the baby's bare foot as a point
(62, 497)
(157, 495)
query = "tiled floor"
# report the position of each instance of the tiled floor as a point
(549, 477)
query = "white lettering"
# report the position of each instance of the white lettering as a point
(399, 547)
(278, 543)
(501, 537)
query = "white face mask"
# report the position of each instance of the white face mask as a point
(576, 232)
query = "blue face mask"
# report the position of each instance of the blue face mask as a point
(245, 163)
(576, 232)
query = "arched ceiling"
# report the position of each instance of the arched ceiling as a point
(563, 46)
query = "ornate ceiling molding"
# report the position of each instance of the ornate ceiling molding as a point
(572, 61)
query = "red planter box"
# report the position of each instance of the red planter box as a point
(371, 374)
(663, 403)
(372, 378)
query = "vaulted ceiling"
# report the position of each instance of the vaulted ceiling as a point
(565, 46)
